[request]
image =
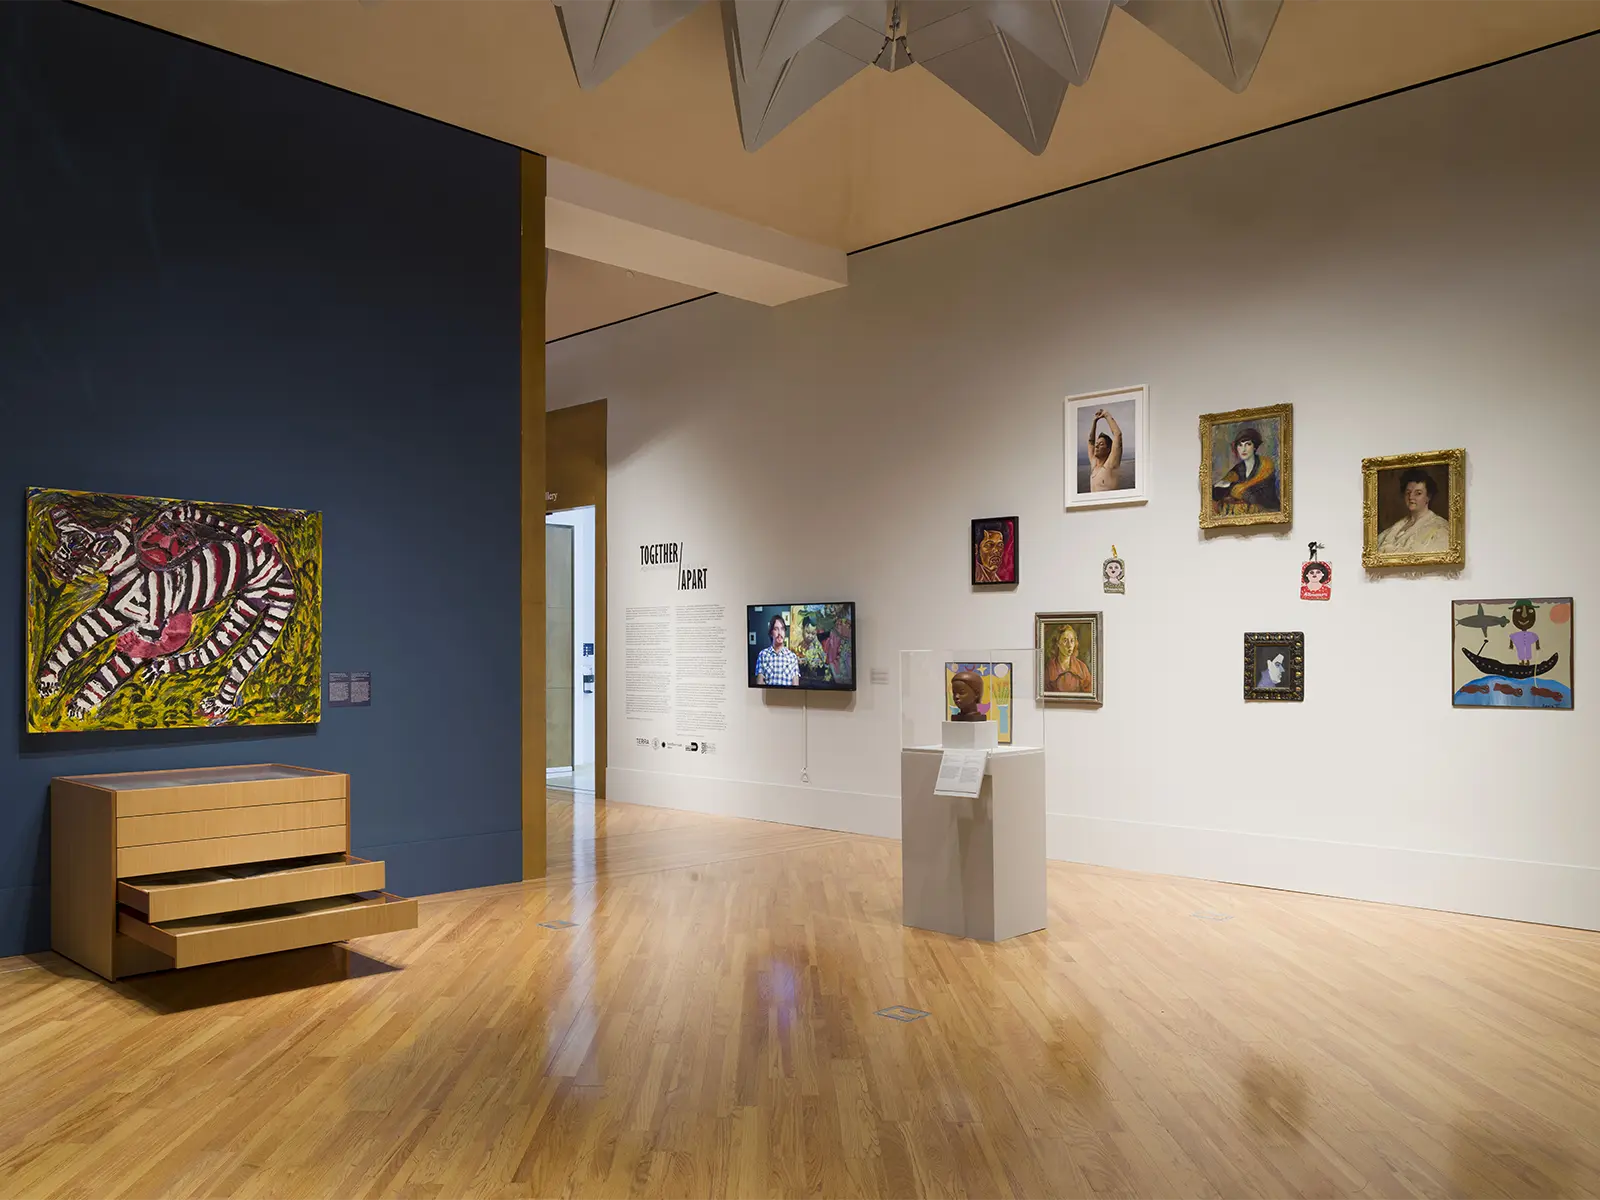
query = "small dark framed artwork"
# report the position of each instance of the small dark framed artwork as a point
(1274, 666)
(994, 551)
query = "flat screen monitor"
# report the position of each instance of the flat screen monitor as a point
(808, 646)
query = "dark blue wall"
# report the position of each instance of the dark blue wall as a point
(222, 282)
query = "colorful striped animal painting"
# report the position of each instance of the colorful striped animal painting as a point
(147, 613)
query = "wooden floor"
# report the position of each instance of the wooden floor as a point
(707, 1028)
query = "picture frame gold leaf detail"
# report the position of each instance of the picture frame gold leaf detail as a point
(1254, 490)
(1425, 543)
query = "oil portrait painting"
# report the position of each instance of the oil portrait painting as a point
(1274, 666)
(994, 551)
(1414, 509)
(145, 613)
(1247, 467)
(1067, 656)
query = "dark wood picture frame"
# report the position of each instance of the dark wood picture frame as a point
(1294, 687)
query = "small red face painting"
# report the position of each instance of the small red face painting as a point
(994, 551)
(1316, 580)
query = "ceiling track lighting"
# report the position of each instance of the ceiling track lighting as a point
(1013, 60)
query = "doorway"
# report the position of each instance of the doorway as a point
(569, 649)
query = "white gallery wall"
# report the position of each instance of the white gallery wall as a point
(1418, 273)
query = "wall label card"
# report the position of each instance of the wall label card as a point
(961, 773)
(360, 689)
(338, 689)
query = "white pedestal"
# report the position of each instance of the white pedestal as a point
(971, 735)
(974, 868)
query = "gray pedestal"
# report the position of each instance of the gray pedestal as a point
(974, 868)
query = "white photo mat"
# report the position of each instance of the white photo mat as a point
(1134, 469)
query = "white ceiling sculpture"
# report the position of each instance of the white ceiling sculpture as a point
(1011, 59)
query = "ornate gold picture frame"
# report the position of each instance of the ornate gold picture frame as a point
(1275, 666)
(1414, 510)
(1247, 467)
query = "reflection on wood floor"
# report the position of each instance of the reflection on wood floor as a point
(706, 1028)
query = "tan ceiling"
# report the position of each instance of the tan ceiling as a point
(883, 156)
(582, 294)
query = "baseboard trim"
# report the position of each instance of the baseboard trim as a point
(1544, 893)
(1514, 889)
(787, 804)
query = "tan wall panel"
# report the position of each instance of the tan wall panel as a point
(576, 475)
(533, 509)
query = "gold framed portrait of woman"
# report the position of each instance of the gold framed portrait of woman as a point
(1067, 657)
(1414, 510)
(1247, 467)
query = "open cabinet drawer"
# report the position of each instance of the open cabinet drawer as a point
(180, 894)
(193, 941)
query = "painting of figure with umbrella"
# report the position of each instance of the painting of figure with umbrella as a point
(1512, 653)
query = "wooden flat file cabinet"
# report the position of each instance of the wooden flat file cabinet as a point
(151, 870)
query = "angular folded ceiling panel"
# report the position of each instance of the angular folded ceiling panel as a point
(771, 31)
(785, 55)
(1013, 60)
(601, 35)
(1064, 34)
(989, 68)
(1224, 38)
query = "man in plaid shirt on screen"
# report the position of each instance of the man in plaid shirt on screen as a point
(777, 665)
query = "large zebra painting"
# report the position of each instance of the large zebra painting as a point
(161, 614)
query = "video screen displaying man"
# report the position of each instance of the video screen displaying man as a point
(802, 645)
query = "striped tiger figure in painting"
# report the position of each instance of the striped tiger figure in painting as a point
(163, 572)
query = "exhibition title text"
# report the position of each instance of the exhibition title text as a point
(670, 554)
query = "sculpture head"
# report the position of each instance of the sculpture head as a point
(966, 690)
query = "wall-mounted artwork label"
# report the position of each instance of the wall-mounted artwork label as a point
(338, 689)
(1107, 435)
(1514, 653)
(979, 691)
(146, 613)
(360, 689)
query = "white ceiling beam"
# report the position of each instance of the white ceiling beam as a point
(596, 217)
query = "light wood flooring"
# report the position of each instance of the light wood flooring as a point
(707, 1028)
